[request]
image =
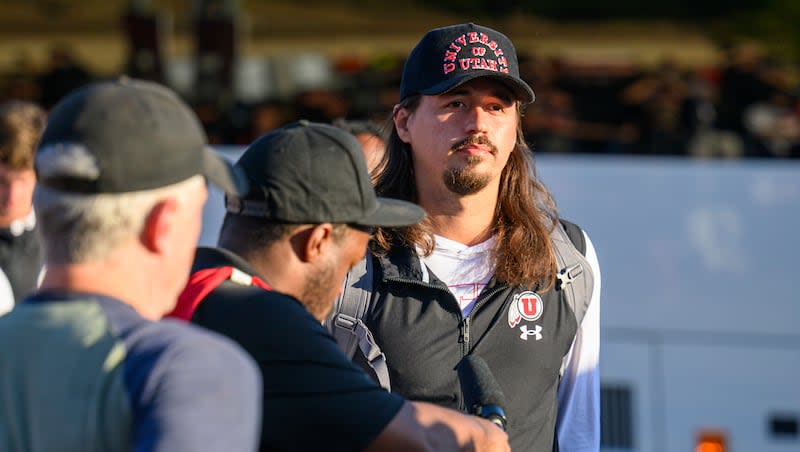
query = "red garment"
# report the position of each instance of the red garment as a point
(200, 284)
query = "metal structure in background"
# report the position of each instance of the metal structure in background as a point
(214, 29)
(144, 32)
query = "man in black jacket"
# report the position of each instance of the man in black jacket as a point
(479, 275)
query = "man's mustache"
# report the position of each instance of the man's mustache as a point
(474, 140)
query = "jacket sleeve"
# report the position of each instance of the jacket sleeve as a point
(578, 424)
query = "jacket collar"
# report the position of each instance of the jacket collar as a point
(402, 262)
(206, 257)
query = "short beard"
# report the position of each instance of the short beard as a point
(463, 181)
(316, 292)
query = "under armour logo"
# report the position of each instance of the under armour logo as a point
(536, 331)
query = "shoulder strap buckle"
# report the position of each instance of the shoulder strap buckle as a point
(568, 274)
(351, 333)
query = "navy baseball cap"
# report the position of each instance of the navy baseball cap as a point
(308, 172)
(127, 135)
(449, 56)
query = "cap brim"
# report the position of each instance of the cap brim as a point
(393, 213)
(521, 90)
(223, 174)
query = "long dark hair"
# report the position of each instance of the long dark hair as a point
(524, 216)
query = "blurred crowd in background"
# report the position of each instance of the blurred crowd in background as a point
(745, 106)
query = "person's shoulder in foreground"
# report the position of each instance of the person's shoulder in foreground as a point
(86, 363)
(155, 385)
(285, 250)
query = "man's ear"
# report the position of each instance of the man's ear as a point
(400, 117)
(313, 242)
(158, 225)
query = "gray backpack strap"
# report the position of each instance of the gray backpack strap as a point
(346, 325)
(574, 277)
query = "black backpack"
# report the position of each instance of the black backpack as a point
(345, 323)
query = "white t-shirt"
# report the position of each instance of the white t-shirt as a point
(465, 269)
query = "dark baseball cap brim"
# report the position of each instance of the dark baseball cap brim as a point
(393, 213)
(223, 174)
(518, 87)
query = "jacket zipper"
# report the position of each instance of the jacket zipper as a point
(463, 337)
(464, 324)
(467, 321)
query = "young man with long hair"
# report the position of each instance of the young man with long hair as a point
(479, 275)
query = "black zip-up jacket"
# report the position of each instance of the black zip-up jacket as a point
(419, 326)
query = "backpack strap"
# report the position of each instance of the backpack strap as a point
(347, 326)
(575, 234)
(575, 277)
(203, 281)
